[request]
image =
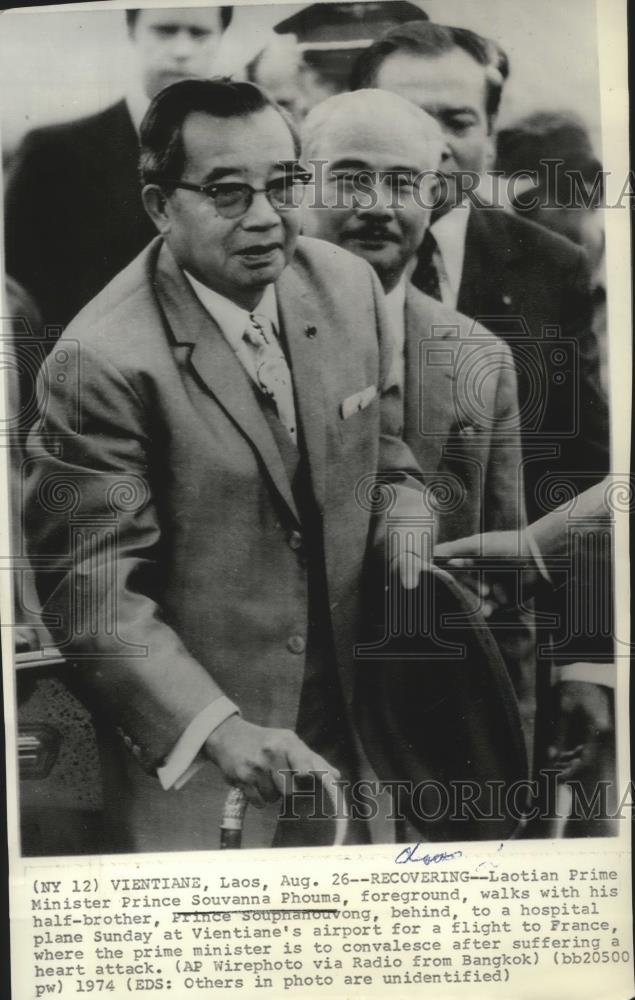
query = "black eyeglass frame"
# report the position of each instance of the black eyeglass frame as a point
(298, 177)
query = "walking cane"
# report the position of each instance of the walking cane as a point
(231, 825)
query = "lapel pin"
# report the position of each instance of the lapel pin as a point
(310, 331)
(507, 300)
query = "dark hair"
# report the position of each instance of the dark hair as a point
(226, 13)
(543, 137)
(424, 38)
(161, 134)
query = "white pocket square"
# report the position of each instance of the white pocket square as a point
(358, 401)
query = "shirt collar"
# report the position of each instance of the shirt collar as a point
(449, 231)
(233, 319)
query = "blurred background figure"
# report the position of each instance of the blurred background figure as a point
(74, 216)
(280, 69)
(330, 36)
(565, 192)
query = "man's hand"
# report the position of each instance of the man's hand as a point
(583, 724)
(462, 552)
(502, 547)
(258, 759)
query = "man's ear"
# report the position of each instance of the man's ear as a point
(155, 204)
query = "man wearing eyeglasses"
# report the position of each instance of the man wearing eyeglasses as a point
(216, 430)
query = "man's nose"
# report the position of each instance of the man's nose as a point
(378, 202)
(261, 214)
(447, 156)
(182, 45)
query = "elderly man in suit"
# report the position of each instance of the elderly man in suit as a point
(375, 158)
(74, 216)
(529, 286)
(194, 492)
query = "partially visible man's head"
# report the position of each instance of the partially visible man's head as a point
(280, 70)
(375, 157)
(558, 178)
(176, 43)
(236, 235)
(454, 74)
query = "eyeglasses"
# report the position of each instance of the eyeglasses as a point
(233, 198)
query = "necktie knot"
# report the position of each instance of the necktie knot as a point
(259, 331)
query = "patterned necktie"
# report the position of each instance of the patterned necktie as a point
(272, 371)
(425, 275)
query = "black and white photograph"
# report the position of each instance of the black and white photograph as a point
(309, 425)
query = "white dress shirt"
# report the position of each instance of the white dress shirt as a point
(185, 758)
(449, 232)
(232, 320)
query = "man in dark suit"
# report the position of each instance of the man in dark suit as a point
(453, 382)
(528, 286)
(195, 483)
(74, 216)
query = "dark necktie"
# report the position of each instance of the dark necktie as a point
(425, 275)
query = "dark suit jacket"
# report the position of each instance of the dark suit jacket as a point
(531, 287)
(74, 216)
(166, 524)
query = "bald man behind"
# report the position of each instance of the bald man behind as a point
(374, 156)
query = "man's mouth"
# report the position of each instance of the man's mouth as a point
(372, 239)
(259, 253)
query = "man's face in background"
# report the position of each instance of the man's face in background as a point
(175, 43)
(373, 206)
(451, 87)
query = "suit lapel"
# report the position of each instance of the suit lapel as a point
(429, 406)
(218, 368)
(303, 326)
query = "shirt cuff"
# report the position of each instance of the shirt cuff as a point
(591, 673)
(536, 554)
(182, 763)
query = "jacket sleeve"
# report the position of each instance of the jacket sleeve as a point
(504, 499)
(586, 452)
(95, 540)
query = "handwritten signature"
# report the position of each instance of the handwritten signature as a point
(409, 853)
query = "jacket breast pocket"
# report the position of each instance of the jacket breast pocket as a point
(358, 418)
